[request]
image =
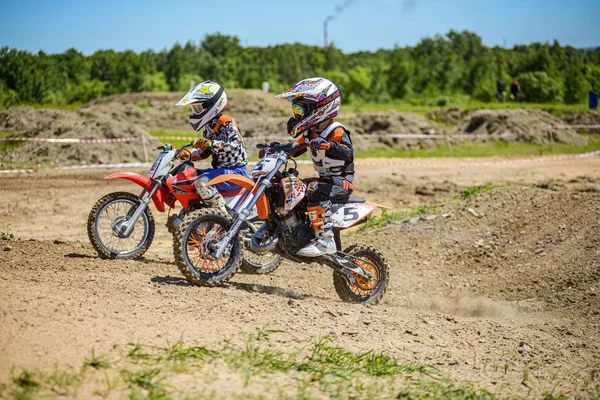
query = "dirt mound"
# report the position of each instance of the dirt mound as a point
(583, 118)
(387, 123)
(519, 125)
(158, 111)
(448, 116)
(530, 245)
(40, 123)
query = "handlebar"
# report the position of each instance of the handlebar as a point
(170, 146)
(289, 148)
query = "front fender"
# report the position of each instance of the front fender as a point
(160, 196)
(262, 205)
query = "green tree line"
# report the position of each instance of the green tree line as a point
(456, 65)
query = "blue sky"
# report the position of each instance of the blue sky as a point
(54, 26)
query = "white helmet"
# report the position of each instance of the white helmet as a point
(314, 100)
(207, 100)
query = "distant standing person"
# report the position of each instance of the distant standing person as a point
(515, 88)
(500, 90)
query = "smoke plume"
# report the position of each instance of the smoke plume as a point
(338, 10)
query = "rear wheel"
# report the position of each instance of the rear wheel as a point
(196, 235)
(358, 289)
(254, 263)
(104, 220)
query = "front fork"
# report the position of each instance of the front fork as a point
(219, 248)
(125, 229)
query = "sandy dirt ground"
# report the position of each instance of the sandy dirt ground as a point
(507, 299)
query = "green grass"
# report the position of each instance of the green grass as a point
(96, 362)
(9, 145)
(159, 133)
(489, 149)
(315, 369)
(475, 190)
(386, 218)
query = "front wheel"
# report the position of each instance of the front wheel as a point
(197, 234)
(358, 289)
(108, 215)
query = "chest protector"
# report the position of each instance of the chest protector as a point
(326, 165)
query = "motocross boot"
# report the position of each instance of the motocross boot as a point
(210, 195)
(323, 243)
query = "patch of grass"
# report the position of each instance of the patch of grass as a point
(4, 146)
(27, 380)
(63, 381)
(489, 149)
(7, 235)
(316, 369)
(386, 218)
(161, 133)
(28, 384)
(383, 219)
(146, 105)
(148, 380)
(475, 190)
(99, 362)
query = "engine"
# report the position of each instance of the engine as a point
(297, 231)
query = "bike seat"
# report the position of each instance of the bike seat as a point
(232, 192)
(351, 200)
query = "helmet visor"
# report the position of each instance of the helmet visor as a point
(197, 108)
(298, 110)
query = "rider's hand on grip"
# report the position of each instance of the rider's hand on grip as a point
(202, 143)
(319, 144)
(185, 154)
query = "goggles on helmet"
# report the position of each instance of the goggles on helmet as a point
(197, 108)
(299, 110)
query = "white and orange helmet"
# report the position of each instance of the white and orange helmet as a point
(207, 100)
(314, 100)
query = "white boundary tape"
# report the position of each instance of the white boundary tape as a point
(67, 140)
(443, 165)
(576, 126)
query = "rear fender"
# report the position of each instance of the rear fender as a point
(261, 205)
(160, 196)
(350, 214)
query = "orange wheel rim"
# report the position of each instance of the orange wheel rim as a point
(198, 249)
(363, 285)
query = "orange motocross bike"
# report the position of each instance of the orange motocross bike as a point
(208, 249)
(120, 224)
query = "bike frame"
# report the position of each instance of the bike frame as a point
(255, 194)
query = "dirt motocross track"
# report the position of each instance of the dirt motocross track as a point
(507, 299)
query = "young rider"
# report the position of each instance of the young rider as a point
(315, 102)
(220, 139)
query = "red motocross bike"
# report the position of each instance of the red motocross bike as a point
(120, 224)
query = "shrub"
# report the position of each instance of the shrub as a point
(538, 87)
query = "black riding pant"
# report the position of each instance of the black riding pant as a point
(334, 188)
